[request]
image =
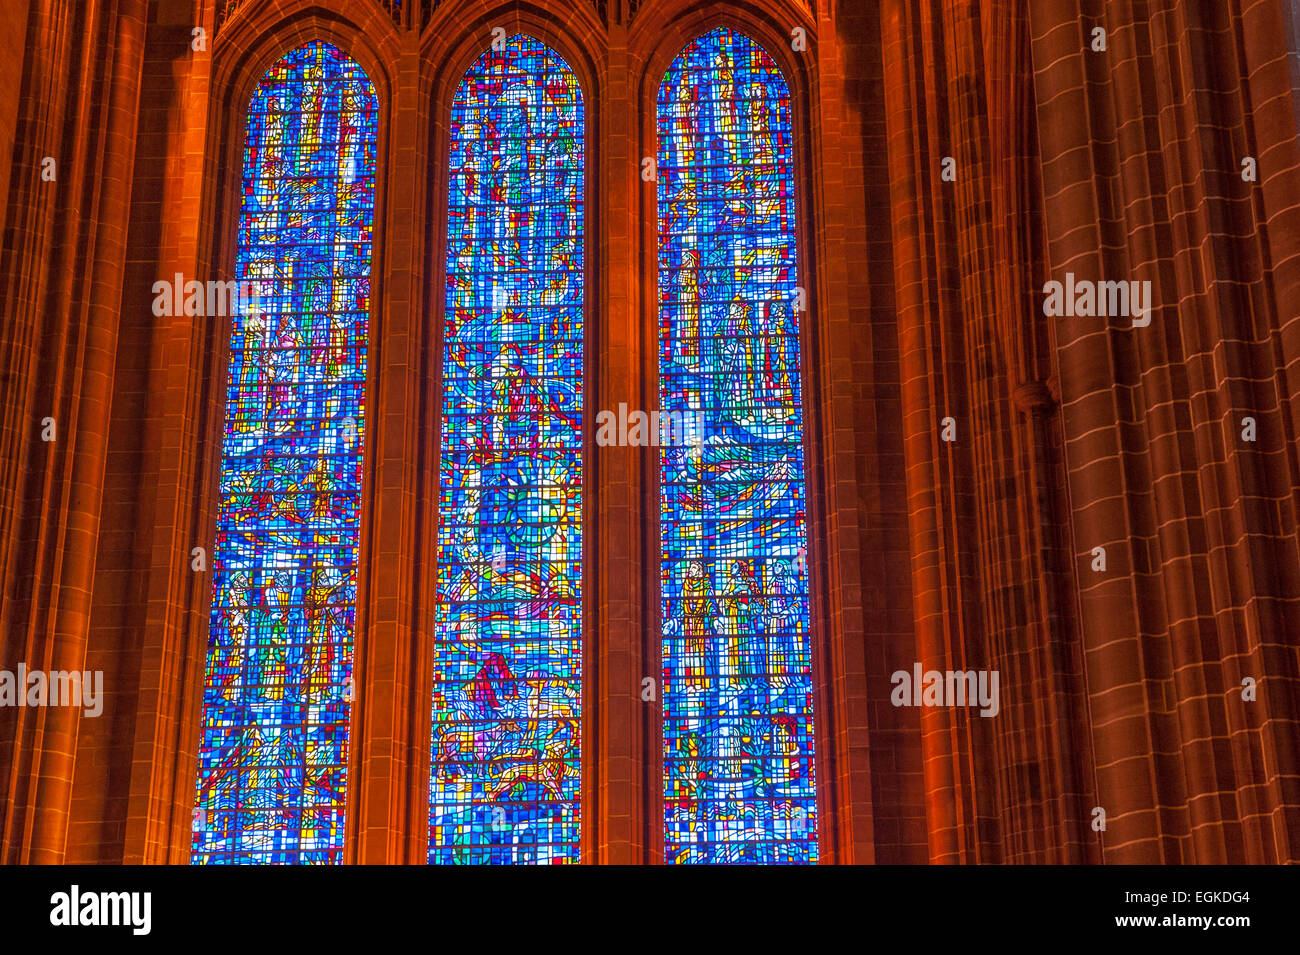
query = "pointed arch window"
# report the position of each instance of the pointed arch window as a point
(505, 761)
(273, 754)
(738, 721)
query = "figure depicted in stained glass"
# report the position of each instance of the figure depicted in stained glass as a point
(738, 730)
(273, 757)
(508, 655)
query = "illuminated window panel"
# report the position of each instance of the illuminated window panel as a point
(737, 682)
(504, 784)
(273, 757)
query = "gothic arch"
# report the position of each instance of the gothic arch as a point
(247, 46)
(659, 33)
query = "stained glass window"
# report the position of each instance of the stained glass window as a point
(737, 687)
(273, 756)
(504, 781)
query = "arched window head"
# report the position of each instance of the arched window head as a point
(738, 721)
(277, 696)
(507, 696)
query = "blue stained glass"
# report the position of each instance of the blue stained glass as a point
(737, 684)
(504, 784)
(273, 755)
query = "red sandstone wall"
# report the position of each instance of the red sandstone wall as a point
(1141, 150)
